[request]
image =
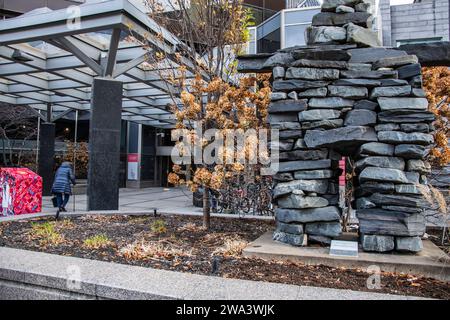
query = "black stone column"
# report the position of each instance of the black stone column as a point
(46, 156)
(104, 145)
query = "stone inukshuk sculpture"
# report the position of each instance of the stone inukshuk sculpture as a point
(343, 95)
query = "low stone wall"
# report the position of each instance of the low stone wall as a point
(343, 96)
(27, 275)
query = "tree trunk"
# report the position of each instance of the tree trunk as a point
(206, 209)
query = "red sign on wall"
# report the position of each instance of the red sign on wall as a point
(133, 161)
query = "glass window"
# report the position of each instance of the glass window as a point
(414, 41)
(251, 47)
(295, 35)
(269, 26)
(270, 43)
(300, 16)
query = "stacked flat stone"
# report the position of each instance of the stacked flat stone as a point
(336, 99)
(343, 21)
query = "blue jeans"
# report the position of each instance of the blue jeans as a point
(62, 202)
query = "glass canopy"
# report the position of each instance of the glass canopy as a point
(47, 59)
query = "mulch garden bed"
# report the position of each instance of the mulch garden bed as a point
(179, 243)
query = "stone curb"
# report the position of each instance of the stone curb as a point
(33, 275)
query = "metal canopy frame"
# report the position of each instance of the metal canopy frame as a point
(63, 78)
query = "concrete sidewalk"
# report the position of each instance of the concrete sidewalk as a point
(33, 275)
(170, 200)
(133, 202)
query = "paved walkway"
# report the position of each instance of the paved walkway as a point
(133, 202)
(33, 275)
(168, 200)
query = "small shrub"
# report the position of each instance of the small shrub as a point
(191, 227)
(96, 242)
(46, 233)
(232, 248)
(141, 249)
(65, 224)
(159, 226)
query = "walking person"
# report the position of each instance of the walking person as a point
(62, 188)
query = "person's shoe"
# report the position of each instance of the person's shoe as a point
(63, 209)
(57, 214)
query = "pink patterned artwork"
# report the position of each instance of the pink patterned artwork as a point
(20, 191)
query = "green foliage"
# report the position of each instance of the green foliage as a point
(46, 233)
(97, 241)
(158, 226)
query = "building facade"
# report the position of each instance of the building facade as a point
(418, 22)
(284, 29)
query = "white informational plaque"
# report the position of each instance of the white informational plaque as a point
(344, 248)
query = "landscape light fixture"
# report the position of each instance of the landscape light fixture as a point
(19, 56)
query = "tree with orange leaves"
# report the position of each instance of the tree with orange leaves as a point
(203, 82)
(436, 81)
(230, 107)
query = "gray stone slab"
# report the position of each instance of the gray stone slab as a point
(358, 82)
(376, 149)
(363, 19)
(278, 59)
(318, 114)
(313, 174)
(360, 117)
(310, 93)
(320, 64)
(420, 104)
(298, 201)
(377, 243)
(409, 71)
(321, 53)
(405, 116)
(323, 124)
(304, 165)
(341, 137)
(363, 37)
(285, 188)
(331, 5)
(397, 137)
(289, 105)
(296, 84)
(378, 74)
(325, 35)
(383, 175)
(330, 103)
(381, 162)
(348, 92)
(410, 151)
(430, 54)
(393, 62)
(326, 229)
(394, 91)
(312, 73)
(307, 215)
(368, 55)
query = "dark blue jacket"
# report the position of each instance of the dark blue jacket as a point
(63, 179)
